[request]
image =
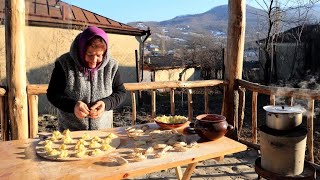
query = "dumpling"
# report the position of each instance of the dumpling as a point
(63, 147)
(81, 153)
(63, 154)
(96, 152)
(86, 136)
(54, 152)
(97, 138)
(67, 139)
(94, 144)
(105, 147)
(66, 132)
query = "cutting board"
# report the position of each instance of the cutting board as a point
(70, 147)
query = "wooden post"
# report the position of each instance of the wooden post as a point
(310, 113)
(33, 115)
(254, 117)
(206, 100)
(242, 102)
(272, 100)
(134, 107)
(3, 119)
(235, 48)
(172, 101)
(153, 103)
(16, 67)
(190, 105)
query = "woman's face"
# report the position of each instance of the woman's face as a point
(93, 57)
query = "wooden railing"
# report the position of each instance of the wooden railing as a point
(291, 94)
(35, 90)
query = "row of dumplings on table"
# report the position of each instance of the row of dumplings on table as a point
(83, 146)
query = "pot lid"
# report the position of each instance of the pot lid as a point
(284, 109)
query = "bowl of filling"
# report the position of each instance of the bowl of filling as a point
(170, 122)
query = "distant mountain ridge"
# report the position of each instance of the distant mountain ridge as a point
(214, 22)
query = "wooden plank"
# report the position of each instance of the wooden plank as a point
(33, 115)
(153, 103)
(178, 172)
(172, 102)
(172, 84)
(223, 101)
(190, 105)
(187, 174)
(290, 101)
(206, 100)
(134, 107)
(310, 115)
(272, 100)
(16, 67)
(286, 92)
(254, 117)
(2, 119)
(242, 100)
(37, 89)
(17, 167)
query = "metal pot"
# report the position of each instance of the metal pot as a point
(283, 117)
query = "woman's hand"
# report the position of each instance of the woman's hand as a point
(81, 110)
(97, 109)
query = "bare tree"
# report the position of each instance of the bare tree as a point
(205, 51)
(276, 20)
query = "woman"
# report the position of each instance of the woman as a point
(85, 83)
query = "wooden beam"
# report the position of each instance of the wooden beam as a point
(310, 113)
(190, 105)
(153, 103)
(172, 84)
(134, 107)
(287, 92)
(172, 102)
(206, 100)
(254, 117)
(33, 115)
(235, 48)
(16, 67)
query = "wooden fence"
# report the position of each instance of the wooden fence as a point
(292, 93)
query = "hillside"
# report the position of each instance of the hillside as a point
(215, 22)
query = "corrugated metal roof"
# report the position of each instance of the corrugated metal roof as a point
(51, 13)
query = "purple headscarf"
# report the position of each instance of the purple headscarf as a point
(86, 36)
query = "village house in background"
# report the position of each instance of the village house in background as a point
(167, 68)
(296, 53)
(50, 29)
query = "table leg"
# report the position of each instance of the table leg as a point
(220, 158)
(187, 174)
(178, 172)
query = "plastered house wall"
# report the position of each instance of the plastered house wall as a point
(44, 45)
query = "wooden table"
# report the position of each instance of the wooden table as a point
(18, 160)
